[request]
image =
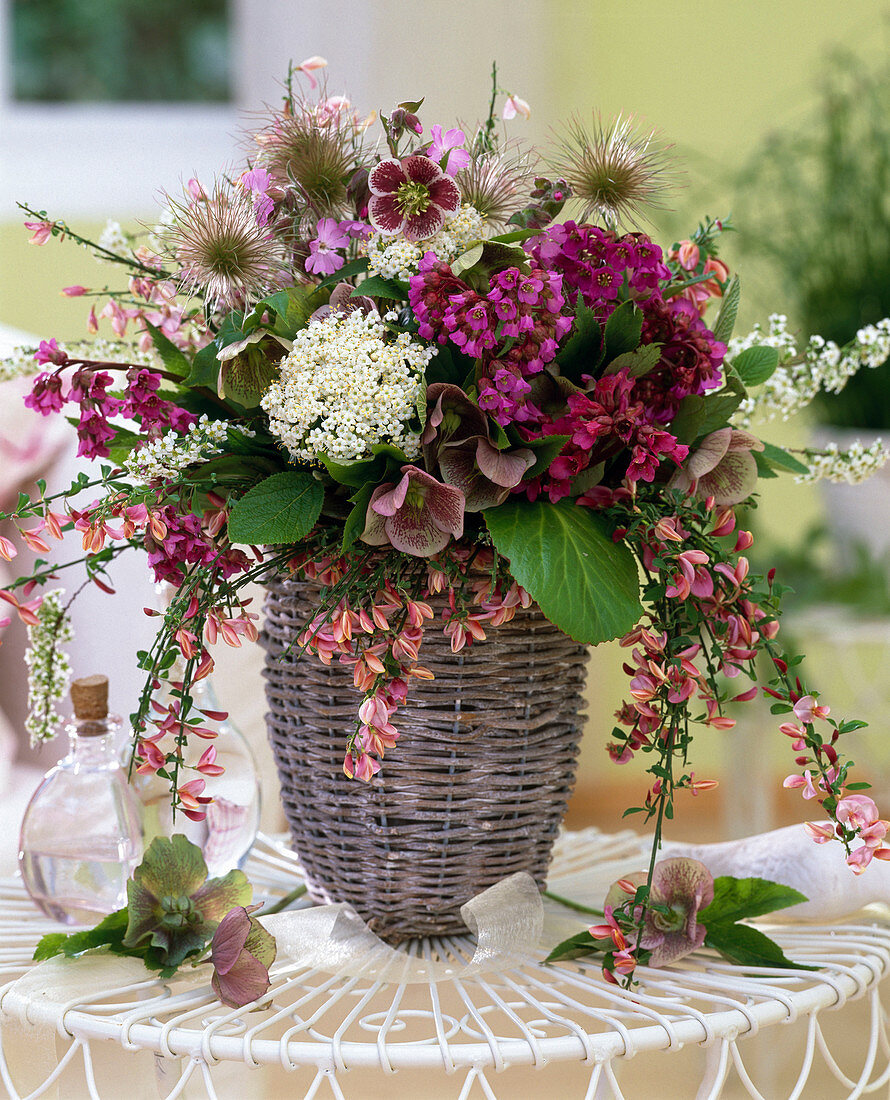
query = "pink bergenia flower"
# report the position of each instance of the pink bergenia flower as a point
(418, 516)
(412, 196)
(515, 106)
(323, 258)
(684, 887)
(450, 142)
(50, 352)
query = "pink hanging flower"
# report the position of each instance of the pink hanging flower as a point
(41, 231)
(412, 196)
(309, 66)
(323, 258)
(808, 710)
(515, 106)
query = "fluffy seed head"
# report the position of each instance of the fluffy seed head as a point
(497, 185)
(613, 170)
(312, 153)
(220, 249)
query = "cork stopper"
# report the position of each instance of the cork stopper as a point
(90, 698)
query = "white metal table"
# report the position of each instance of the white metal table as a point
(344, 1036)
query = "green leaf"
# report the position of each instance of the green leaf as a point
(377, 287)
(782, 460)
(205, 368)
(516, 235)
(574, 947)
(637, 362)
(764, 466)
(755, 365)
(279, 510)
(385, 459)
(355, 521)
(109, 932)
(172, 358)
(739, 943)
(564, 556)
(122, 444)
(449, 365)
(582, 351)
(729, 310)
(354, 267)
(699, 416)
(420, 403)
(623, 330)
(467, 259)
(293, 308)
(737, 898)
(545, 449)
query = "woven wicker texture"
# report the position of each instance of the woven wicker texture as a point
(475, 789)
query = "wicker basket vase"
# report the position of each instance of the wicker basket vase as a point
(475, 789)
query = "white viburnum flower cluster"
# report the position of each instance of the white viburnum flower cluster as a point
(165, 458)
(393, 257)
(797, 380)
(344, 387)
(49, 670)
(853, 465)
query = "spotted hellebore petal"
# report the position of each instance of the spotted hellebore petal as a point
(684, 886)
(419, 515)
(483, 474)
(722, 467)
(412, 196)
(241, 952)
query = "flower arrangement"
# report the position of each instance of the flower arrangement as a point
(390, 369)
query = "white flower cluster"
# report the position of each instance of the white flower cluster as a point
(164, 459)
(21, 363)
(856, 464)
(115, 240)
(798, 378)
(344, 387)
(393, 257)
(49, 670)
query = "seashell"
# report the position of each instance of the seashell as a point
(224, 845)
(789, 856)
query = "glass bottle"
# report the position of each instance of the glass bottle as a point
(228, 831)
(81, 835)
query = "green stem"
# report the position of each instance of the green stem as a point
(283, 903)
(569, 904)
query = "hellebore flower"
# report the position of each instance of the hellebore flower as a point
(418, 516)
(412, 196)
(682, 887)
(241, 952)
(722, 467)
(457, 437)
(171, 905)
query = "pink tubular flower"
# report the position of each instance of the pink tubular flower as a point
(805, 781)
(50, 352)
(27, 612)
(515, 106)
(449, 143)
(413, 196)
(323, 258)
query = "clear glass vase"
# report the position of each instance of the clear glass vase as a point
(81, 835)
(227, 833)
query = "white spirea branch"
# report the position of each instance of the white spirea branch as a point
(49, 670)
(164, 459)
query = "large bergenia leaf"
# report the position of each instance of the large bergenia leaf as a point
(564, 556)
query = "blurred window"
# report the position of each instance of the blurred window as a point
(66, 51)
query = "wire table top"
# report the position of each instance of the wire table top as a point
(320, 1026)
